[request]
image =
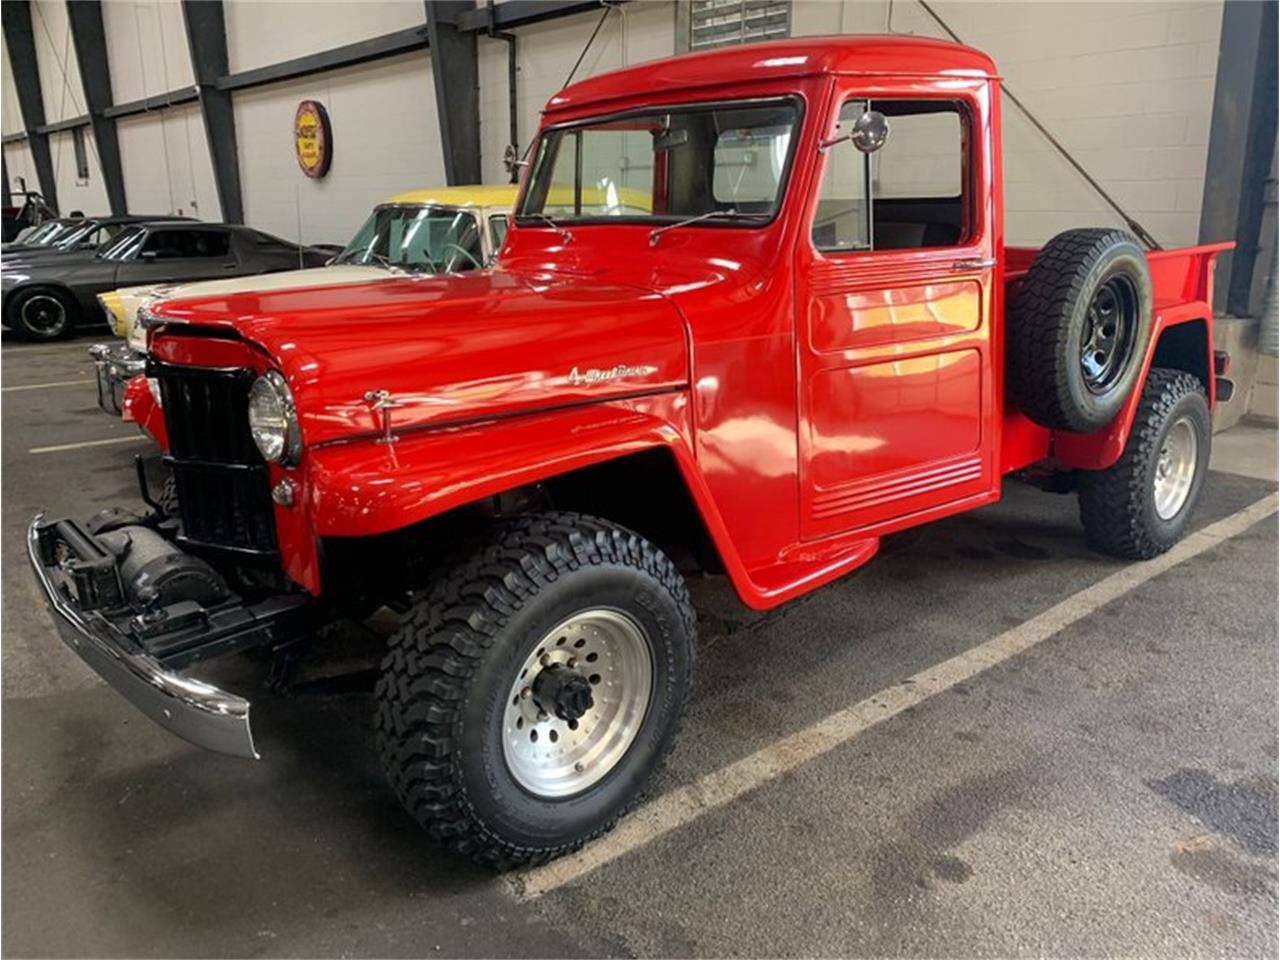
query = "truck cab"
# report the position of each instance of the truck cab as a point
(754, 312)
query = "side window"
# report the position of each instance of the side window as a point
(498, 229)
(181, 244)
(915, 183)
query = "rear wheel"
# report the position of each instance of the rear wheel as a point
(1139, 507)
(532, 691)
(41, 313)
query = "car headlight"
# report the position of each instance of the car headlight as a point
(273, 422)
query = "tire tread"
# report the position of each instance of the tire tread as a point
(451, 626)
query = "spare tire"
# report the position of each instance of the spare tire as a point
(1077, 331)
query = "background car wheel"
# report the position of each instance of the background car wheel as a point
(1078, 329)
(532, 691)
(42, 313)
(1139, 507)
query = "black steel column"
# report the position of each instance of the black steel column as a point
(1242, 138)
(207, 39)
(456, 71)
(21, 42)
(90, 39)
(5, 199)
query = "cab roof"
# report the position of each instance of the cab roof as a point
(871, 54)
(503, 195)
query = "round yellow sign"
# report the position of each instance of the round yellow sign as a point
(312, 138)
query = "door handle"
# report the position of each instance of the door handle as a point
(974, 264)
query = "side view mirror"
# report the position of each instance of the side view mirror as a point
(870, 131)
(868, 135)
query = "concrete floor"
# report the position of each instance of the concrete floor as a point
(1111, 790)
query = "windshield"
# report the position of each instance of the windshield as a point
(412, 237)
(666, 164)
(47, 233)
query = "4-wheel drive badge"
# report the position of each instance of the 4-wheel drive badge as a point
(593, 375)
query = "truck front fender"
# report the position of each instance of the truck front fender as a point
(368, 488)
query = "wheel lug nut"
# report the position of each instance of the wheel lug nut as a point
(578, 767)
(545, 659)
(526, 693)
(573, 662)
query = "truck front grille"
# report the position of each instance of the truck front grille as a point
(223, 489)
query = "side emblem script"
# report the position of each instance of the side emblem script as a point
(592, 375)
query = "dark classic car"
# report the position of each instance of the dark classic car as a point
(48, 297)
(76, 235)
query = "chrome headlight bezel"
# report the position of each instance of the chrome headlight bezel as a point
(273, 420)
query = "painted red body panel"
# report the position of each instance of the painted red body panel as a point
(812, 403)
(140, 407)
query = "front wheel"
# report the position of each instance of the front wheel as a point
(1139, 507)
(530, 694)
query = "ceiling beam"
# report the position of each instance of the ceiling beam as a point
(522, 14)
(207, 40)
(19, 38)
(456, 70)
(90, 40)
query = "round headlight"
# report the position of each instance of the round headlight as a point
(272, 420)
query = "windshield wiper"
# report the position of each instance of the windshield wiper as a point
(657, 232)
(565, 235)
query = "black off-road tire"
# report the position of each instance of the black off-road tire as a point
(448, 674)
(1117, 505)
(21, 327)
(1044, 332)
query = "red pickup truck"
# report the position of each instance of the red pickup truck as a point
(754, 312)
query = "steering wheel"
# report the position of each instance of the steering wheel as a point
(462, 250)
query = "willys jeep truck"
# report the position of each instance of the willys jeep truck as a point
(754, 313)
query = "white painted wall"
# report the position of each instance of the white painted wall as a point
(10, 112)
(146, 48)
(56, 56)
(88, 196)
(17, 158)
(385, 136)
(260, 32)
(166, 164)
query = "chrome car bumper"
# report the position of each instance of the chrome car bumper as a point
(116, 365)
(195, 711)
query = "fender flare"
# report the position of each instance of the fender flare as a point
(1102, 448)
(366, 489)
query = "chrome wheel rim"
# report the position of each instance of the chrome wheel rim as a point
(44, 313)
(1176, 468)
(1111, 324)
(551, 756)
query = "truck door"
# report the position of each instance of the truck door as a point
(894, 310)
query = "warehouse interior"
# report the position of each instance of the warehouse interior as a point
(1110, 790)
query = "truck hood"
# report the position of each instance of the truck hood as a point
(131, 298)
(448, 349)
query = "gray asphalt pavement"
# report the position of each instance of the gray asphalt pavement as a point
(1111, 791)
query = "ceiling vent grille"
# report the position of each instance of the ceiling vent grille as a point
(722, 23)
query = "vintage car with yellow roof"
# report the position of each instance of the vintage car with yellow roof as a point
(437, 230)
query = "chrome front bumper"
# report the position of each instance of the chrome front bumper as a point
(195, 711)
(116, 365)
